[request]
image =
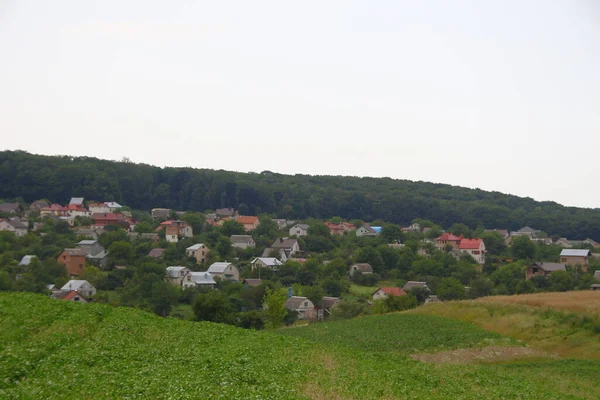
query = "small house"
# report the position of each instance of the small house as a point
(13, 225)
(299, 230)
(363, 268)
(203, 280)
(473, 247)
(73, 260)
(199, 252)
(224, 270)
(249, 282)
(266, 262)
(250, 222)
(175, 275)
(382, 293)
(575, 257)
(82, 287)
(301, 305)
(543, 269)
(447, 239)
(410, 285)
(242, 241)
(368, 230)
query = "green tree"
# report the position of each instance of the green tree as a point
(274, 308)
(523, 248)
(450, 289)
(232, 227)
(213, 306)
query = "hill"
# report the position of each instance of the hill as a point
(55, 349)
(32, 177)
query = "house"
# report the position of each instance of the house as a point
(543, 269)
(199, 251)
(285, 247)
(242, 241)
(199, 280)
(382, 293)
(77, 201)
(112, 205)
(78, 211)
(37, 206)
(266, 262)
(156, 253)
(526, 231)
(564, 242)
(160, 213)
(94, 252)
(226, 212)
(363, 268)
(104, 219)
(502, 232)
(335, 229)
(82, 287)
(224, 270)
(99, 208)
(597, 275)
(475, 248)
(183, 228)
(595, 286)
(368, 230)
(26, 260)
(54, 210)
(176, 274)
(13, 225)
(302, 305)
(410, 285)
(89, 232)
(252, 282)
(415, 227)
(172, 233)
(250, 222)
(575, 257)
(447, 239)
(73, 260)
(11, 209)
(299, 230)
(591, 242)
(282, 223)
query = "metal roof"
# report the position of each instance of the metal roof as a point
(575, 253)
(218, 267)
(202, 278)
(197, 246)
(74, 284)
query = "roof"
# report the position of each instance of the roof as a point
(252, 282)
(295, 302)
(301, 226)
(202, 278)
(225, 212)
(363, 267)
(329, 302)
(527, 229)
(597, 274)
(112, 216)
(9, 207)
(449, 237)
(377, 229)
(284, 243)
(247, 219)
(156, 253)
(74, 284)
(240, 238)
(174, 271)
(575, 252)
(595, 286)
(75, 252)
(71, 295)
(197, 246)
(470, 244)
(414, 284)
(26, 260)
(112, 204)
(76, 201)
(87, 242)
(268, 261)
(391, 291)
(17, 224)
(550, 267)
(218, 267)
(368, 228)
(39, 204)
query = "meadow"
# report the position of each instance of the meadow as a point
(53, 349)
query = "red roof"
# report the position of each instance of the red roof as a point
(71, 294)
(468, 244)
(109, 216)
(449, 237)
(393, 291)
(247, 219)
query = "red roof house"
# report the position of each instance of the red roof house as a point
(250, 222)
(448, 239)
(384, 292)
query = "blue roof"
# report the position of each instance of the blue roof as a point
(377, 228)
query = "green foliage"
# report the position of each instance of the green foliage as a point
(274, 308)
(523, 248)
(450, 289)
(213, 306)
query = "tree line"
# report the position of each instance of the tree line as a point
(30, 177)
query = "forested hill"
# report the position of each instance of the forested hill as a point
(140, 186)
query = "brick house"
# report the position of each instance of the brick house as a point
(543, 269)
(199, 251)
(73, 260)
(250, 222)
(575, 257)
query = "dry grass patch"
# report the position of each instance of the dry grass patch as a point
(586, 301)
(492, 354)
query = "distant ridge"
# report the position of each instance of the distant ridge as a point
(140, 186)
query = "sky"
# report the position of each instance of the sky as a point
(499, 95)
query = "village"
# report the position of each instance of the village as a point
(254, 256)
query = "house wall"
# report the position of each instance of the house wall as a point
(573, 260)
(380, 294)
(233, 272)
(200, 254)
(75, 265)
(535, 271)
(172, 238)
(295, 230)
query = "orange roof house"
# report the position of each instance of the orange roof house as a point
(382, 293)
(448, 239)
(250, 222)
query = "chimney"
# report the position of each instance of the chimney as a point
(280, 240)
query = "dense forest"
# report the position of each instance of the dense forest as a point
(30, 177)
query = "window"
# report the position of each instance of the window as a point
(64, 257)
(306, 304)
(535, 270)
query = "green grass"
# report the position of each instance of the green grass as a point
(398, 333)
(362, 291)
(51, 349)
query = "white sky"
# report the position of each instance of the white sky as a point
(500, 95)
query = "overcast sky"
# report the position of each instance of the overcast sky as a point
(500, 95)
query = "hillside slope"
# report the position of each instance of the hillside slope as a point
(54, 349)
(400, 201)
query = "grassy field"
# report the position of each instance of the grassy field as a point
(586, 301)
(53, 349)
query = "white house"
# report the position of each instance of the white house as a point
(199, 279)
(176, 274)
(299, 230)
(83, 287)
(242, 241)
(224, 270)
(475, 248)
(13, 225)
(266, 262)
(366, 230)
